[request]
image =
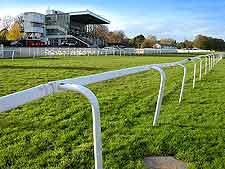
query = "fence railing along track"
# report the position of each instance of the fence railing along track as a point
(35, 52)
(79, 85)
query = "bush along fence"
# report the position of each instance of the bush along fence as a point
(206, 62)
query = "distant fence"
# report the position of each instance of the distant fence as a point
(16, 52)
(147, 51)
(193, 51)
(50, 51)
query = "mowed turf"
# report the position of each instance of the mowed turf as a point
(56, 131)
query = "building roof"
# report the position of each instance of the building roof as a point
(34, 13)
(88, 17)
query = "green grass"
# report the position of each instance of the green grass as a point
(56, 131)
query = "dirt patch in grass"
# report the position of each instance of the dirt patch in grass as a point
(164, 163)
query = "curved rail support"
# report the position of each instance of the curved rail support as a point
(217, 58)
(206, 65)
(211, 61)
(161, 93)
(200, 71)
(195, 70)
(96, 119)
(221, 57)
(183, 82)
(210, 64)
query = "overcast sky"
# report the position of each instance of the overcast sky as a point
(178, 19)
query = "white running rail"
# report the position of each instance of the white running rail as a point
(78, 85)
(7, 54)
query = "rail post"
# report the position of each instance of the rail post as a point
(33, 53)
(29, 51)
(96, 119)
(2, 49)
(208, 58)
(183, 82)
(195, 70)
(200, 71)
(13, 54)
(211, 61)
(206, 65)
(20, 52)
(161, 93)
(217, 59)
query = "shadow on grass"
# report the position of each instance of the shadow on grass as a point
(53, 67)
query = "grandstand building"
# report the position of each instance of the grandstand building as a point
(33, 29)
(56, 28)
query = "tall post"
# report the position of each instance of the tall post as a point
(13, 54)
(183, 83)
(33, 49)
(20, 51)
(194, 79)
(209, 59)
(2, 49)
(29, 51)
(96, 119)
(161, 93)
(200, 71)
(206, 65)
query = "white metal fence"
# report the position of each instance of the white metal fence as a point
(50, 51)
(79, 85)
(147, 51)
(193, 51)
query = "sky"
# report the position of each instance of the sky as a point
(178, 19)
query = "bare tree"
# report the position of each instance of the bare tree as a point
(167, 42)
(116, 37)
(6, 22)
(149, 42)
(102, 31)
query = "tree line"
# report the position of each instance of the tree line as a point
(140, 41)
(204, 42)
(11, 30)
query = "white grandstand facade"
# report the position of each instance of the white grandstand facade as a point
(57, 28)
